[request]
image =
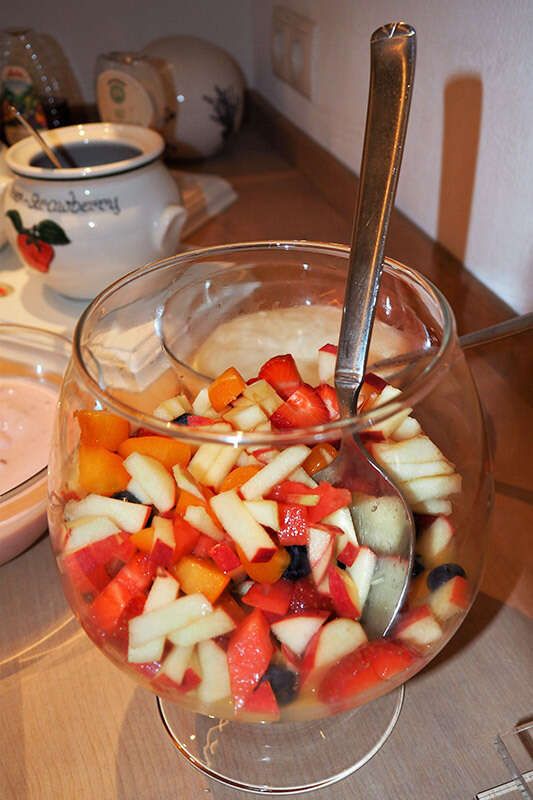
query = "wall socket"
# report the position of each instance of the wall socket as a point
(292, 47)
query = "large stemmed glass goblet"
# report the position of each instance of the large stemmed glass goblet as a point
(271, 638)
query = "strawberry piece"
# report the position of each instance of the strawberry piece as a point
(328, 395)
(263, 701)
(293, 524)
(203, 546)
(306, 597)
(282, 374)
(330, 498)
(249, 653)
(352, 675)
(270, 597)
(302, 409)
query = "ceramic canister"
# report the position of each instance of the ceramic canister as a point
(112, 208)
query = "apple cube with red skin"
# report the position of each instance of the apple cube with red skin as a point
(249, 652)
(418, 627)
(320, 547)
(435, 541)
(265, 512)
(176, 663)
(361, 571)
(224, 557)
(86, 530)
(130, 582)
(344, 594)
(162, 552)
(218, 623)
(164, 590)
(450, 599)
(285, 462)
(331, 643)
(297, 631)
(327, 358)
(251, 537)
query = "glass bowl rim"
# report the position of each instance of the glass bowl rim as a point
(420, 386)
(38, 476)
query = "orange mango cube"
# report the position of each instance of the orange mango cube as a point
(100, 471)
(199, 575)
(164, 449)
(226, 388)
(237, 477)
(102, 428)
(267, 571)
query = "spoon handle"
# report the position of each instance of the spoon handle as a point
(36, 135)
(392, 64)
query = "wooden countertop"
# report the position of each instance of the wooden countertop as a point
(74, 727)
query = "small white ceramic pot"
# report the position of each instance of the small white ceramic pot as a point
(113, 209)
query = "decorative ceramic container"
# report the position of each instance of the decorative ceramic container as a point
(112, 207)
(188, 89)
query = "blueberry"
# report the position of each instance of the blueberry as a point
(128, 497)
(341, 565)
(442, 574)
(183, 419)
(418, 566)
(299, 566)
(284, 683)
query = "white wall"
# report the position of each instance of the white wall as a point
(87, 28)
(467, 174)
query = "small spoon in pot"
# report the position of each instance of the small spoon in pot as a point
(47, 150)
(393, 49)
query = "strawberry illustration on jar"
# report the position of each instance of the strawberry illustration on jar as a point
(36, 244)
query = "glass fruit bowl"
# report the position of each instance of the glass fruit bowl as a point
(194, 545)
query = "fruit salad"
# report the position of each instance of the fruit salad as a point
(230, 580)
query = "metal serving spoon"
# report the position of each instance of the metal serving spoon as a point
(392, 62)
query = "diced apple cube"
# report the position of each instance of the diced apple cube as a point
(162, 551)
(172, 408)
(137, 491)
(163, 591)
(418, 627)
(320, 546)
(264, 395)
(361, 571)
(86, 530)
(327, 358)
(175, 664)
(152, 476)
(301, 476)
(239, 523)
(266, 512)
(409, 428)
(434, 507)
(436, 487)
(387, 426)
(215, 683)
(185, 481)
(198, 517)
(334, 641)
(215, 624)
(247, 460)
(202, 405)
(434, 543)
(129, 517)
(169, 618)
(342, 519)
(411, 451)
(245, 418)
(450, 599)
(297, 631)
(280, 468)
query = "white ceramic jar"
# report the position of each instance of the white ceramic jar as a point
(115, 208)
